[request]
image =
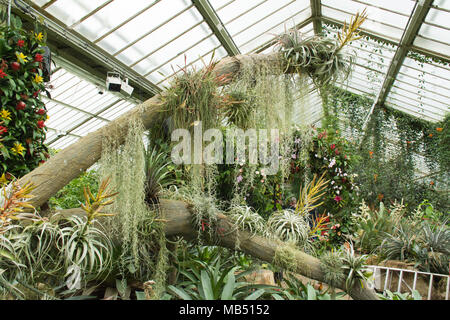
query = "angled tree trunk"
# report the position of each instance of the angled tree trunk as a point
(179, 223)
(77, 158)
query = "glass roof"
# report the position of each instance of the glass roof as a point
(155, 38)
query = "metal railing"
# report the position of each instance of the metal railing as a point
(390, 274)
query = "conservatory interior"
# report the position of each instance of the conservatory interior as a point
(224, 150)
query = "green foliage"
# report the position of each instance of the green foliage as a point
(320, 57)
(297, 290)
(208, 275)
(71, 196)
(372, 226)
(329, 155)
(193, 96)
(355, 268)
(289, 226)
(22, 113)
(388, 295)
(157, 174)
(247, 219)
(424, 242)
(135, 228)
(239, 111)
(332, 266)
(39, 256)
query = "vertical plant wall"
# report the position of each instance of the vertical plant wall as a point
(22, 112)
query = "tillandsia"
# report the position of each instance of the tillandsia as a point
(195, 96)
(94, 204)
(322, 58)
(311, 194)
(14, 199)
(247, 219)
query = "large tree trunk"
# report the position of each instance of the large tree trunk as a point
(77, 158)
(179, 223)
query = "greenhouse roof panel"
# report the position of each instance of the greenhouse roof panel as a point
(252, 23)
(155, 39)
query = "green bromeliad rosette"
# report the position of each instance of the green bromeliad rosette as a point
(22, 112)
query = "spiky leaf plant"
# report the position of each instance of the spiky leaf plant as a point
(401, 244)
(247, 219)
(355, 268)
(11, 266)
(157, 174)
(86, 249)
(43, 249)
(240, 108)
(310, 195)
(323, 59)
(193, 96)
(435, 248)
(289, 226)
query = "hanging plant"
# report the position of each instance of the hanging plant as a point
(22, 112)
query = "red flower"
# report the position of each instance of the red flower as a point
(41, 124)
(35, 94)
(41, 112)
(3, 130)
(337, 152)
(15, 66)
(21, 105)
(338, 199)
(42, 161)
(38, 57)
(333, 146)
(2, 74)
(20, 43)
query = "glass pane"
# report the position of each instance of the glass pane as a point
(70, 12)
(380, 28)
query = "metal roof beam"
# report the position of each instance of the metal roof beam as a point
(94, 116)
(413, 27)
(70, 44)
(410, 33)
(316, 15)
(216, 25)
(64, 104)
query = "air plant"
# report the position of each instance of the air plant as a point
(87, 249)
(310, 195)
(13, 200)
(322, 58)
(239, 109)
(194, 96)
(94, 204)
(289, 226)
(355, 268)
(157, 174)
(247, 219)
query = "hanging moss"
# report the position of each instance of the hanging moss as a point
(285, 258)
(331, 265)
(134, 225)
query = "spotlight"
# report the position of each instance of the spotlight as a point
(113, 81)
(126, 88)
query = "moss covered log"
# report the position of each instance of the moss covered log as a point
(78, 157)
(179, 223)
